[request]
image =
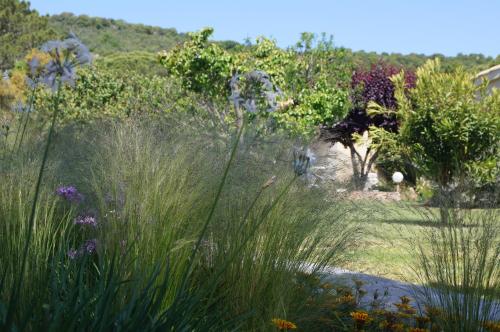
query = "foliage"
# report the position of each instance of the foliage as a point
(449, 124)
(368, 87)
(133, 63)
(12, 89)
(109, 36)
(317, 81)
(201, 66)
(311, 93)
(373, 86)
(392, 156)
(87, 261)
(21, 29)
(102, 93)
(472, 63)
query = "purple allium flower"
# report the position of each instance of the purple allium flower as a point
(90, 246)
(72, 253)
(69, 193)
(86, 221)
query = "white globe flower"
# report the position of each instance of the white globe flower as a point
(397, 177)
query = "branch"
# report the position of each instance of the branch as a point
(372, 160)
(353, 150)
(364, 161)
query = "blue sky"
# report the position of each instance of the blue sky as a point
(405, 26)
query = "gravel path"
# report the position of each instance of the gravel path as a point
(389, 291)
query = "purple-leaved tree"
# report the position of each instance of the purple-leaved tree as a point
(372, 85)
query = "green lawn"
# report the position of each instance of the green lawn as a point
(388, 233)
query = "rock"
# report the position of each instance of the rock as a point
(333, 163)
(371, 181)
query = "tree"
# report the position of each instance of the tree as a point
(449, 125)
(317, 82)
(309, 90)
(21, 29)
(371, 86)
(203, 67)
(206, 69)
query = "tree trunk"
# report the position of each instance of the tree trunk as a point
(361, 166)
(445, 200)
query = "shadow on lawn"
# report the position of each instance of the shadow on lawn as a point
(413, 222)
(420, 222)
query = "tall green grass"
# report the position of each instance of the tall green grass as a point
(459, 265)
(155, 187)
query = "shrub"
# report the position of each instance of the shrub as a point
(449, 125)
(102, 93)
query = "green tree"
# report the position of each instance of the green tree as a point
(318, 83)
(449, 125)
(203, 67)
(313, 78)
(21, 29)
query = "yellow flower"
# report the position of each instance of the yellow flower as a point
(282, 324)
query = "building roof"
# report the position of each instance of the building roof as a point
(491, 74)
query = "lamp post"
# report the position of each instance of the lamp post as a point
(397, 178)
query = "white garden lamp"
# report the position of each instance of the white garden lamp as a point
(397, 178)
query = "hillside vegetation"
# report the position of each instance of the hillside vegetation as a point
(137, 44)
(106, 36)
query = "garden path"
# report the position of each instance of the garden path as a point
(388, 291)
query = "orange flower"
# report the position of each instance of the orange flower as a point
(360, 318)
(282, 324)
(417, 329)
